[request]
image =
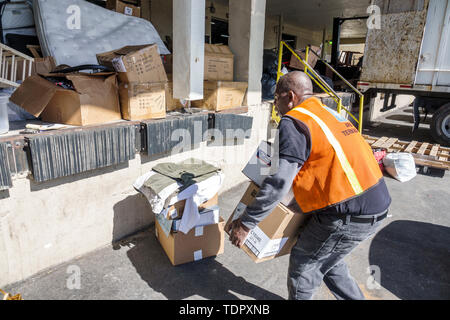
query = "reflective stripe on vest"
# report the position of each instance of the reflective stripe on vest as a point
(351, 176)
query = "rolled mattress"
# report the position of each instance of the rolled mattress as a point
(74, 31)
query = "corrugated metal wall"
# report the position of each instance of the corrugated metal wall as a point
(5, 172)
(64, 154)
(164, 135)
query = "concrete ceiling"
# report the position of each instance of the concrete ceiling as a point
(318, 14)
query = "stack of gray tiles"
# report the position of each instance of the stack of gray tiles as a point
(5, 174)
(65, 154)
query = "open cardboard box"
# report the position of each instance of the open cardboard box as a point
(95, 99)
(197, 244)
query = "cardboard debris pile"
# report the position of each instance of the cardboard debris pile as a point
(139, 86)
(278, 232)
(136, 91)
(133, 85)
(206, 239)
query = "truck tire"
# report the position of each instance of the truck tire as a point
(440, 125)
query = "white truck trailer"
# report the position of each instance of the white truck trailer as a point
(410, 54)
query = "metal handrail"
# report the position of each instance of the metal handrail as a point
(317, 78)
(361, 96)
(320, 82)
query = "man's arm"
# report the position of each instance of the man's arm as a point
(273, 190)
(294, 149)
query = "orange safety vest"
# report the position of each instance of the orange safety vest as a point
(341, 164)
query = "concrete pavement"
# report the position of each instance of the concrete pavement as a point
(409, 255)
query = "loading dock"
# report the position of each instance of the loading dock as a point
(85, 201)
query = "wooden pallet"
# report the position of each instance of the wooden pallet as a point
(425, 154)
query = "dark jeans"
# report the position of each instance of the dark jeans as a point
(318, 255)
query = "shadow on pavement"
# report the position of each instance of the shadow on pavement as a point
(206, 278)
(413, 258)
(131, 215)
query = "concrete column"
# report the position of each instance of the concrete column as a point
(247, 22)
(188, 49)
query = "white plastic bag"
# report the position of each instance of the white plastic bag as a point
(400, 165)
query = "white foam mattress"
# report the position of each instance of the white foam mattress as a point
(100, 30)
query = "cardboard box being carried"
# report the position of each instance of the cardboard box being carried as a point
(222, 95)
(312, 59)
(94, 99)
(197, 244)
(218, 62)
(140, 101)
(139, 64)
(275, 235)
(124, 7)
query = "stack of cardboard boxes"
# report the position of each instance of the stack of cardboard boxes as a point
(206, 239)
(220, 91)
(142, 81)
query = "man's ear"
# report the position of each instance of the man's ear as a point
(292, 98)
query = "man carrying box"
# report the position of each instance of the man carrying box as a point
(335, 179)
